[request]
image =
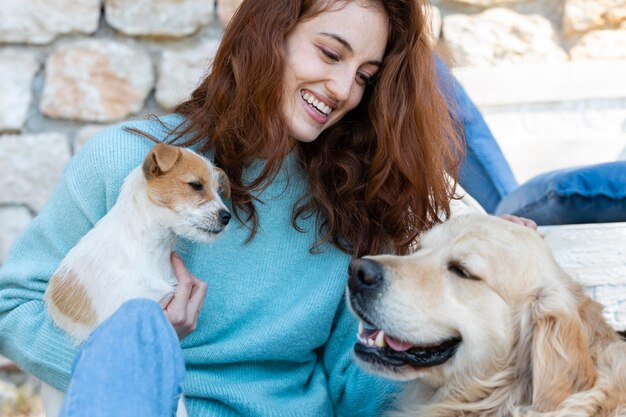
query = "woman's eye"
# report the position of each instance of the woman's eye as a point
(196, 186)
(364, 78)
(330, 55)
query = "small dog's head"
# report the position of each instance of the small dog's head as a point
(189, 187)
(479, 294)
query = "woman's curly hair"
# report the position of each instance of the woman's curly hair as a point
(379, 176)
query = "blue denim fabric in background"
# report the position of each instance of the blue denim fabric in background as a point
(588, 194)
(131, 366)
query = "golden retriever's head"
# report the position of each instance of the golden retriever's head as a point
(458, 308)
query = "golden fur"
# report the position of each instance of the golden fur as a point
(532, 343)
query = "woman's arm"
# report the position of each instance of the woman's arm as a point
(86, 190)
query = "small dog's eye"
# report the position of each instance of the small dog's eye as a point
(196, 186)
(459, 271)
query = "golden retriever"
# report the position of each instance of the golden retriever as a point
(483, 322)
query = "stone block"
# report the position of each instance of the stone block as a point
(580, 16)
(13, 220)
(226, 9)
(601, 45)
(501, 36)
(613, 297)
(547, 117)
(96, 81)
(31, 165)
(84, 134)
(593, 254)
(539, 138)
(548, 83)
(41, 21)
(179, 72)
(17, 70)
(158, 17)
(434, 15)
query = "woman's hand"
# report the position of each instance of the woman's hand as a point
(520, 220)
(183, 308)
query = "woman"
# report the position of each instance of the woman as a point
(327, 118)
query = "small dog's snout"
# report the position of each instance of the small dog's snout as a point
(364, 274)
(224, 216)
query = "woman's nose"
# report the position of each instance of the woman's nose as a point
(340, 85)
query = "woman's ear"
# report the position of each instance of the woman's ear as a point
(559, 346)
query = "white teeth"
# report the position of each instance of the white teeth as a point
(323, 108)
(361, 327)
(316, 103)
(380, 339)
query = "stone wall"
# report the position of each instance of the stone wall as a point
(71, 67)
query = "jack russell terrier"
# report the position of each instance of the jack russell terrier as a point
(175, 192)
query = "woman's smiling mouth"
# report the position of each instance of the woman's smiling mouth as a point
(321, 108)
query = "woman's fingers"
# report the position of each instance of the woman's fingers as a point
(183, 308)
(523, 221)
(196, 300)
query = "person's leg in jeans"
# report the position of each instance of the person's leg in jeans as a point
(130, 366)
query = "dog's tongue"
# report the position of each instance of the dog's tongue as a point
(397, 345)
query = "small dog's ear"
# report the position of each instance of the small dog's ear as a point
(224, 182)
(559, 346)
(160, 160)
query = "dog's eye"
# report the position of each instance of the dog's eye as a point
(196, 186)
(458, 270)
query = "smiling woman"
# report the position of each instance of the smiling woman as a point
(328, 120)
(329, 63)
(361, 108)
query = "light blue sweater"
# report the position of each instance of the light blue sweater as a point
(274, 337)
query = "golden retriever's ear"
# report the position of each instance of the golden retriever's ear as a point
(559, 347)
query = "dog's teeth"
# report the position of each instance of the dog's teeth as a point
(361, 327)
(380, 339)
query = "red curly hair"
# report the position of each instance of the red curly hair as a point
(377, 177)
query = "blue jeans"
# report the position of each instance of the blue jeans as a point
(130, 366)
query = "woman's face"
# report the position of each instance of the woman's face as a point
(330, 60)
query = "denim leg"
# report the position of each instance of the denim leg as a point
(130, 366)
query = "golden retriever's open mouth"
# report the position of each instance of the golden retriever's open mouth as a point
(376, 347)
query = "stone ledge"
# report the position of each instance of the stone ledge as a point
(547, 83)
(595, 256)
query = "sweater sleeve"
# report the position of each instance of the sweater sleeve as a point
(353, 392)
(27, 334)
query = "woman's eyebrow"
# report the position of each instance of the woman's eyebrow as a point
(347, 45)
(339, 39)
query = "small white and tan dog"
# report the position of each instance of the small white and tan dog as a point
(175, 192)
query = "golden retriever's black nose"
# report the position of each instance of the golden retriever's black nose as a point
(364, 274)
(224, 216)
